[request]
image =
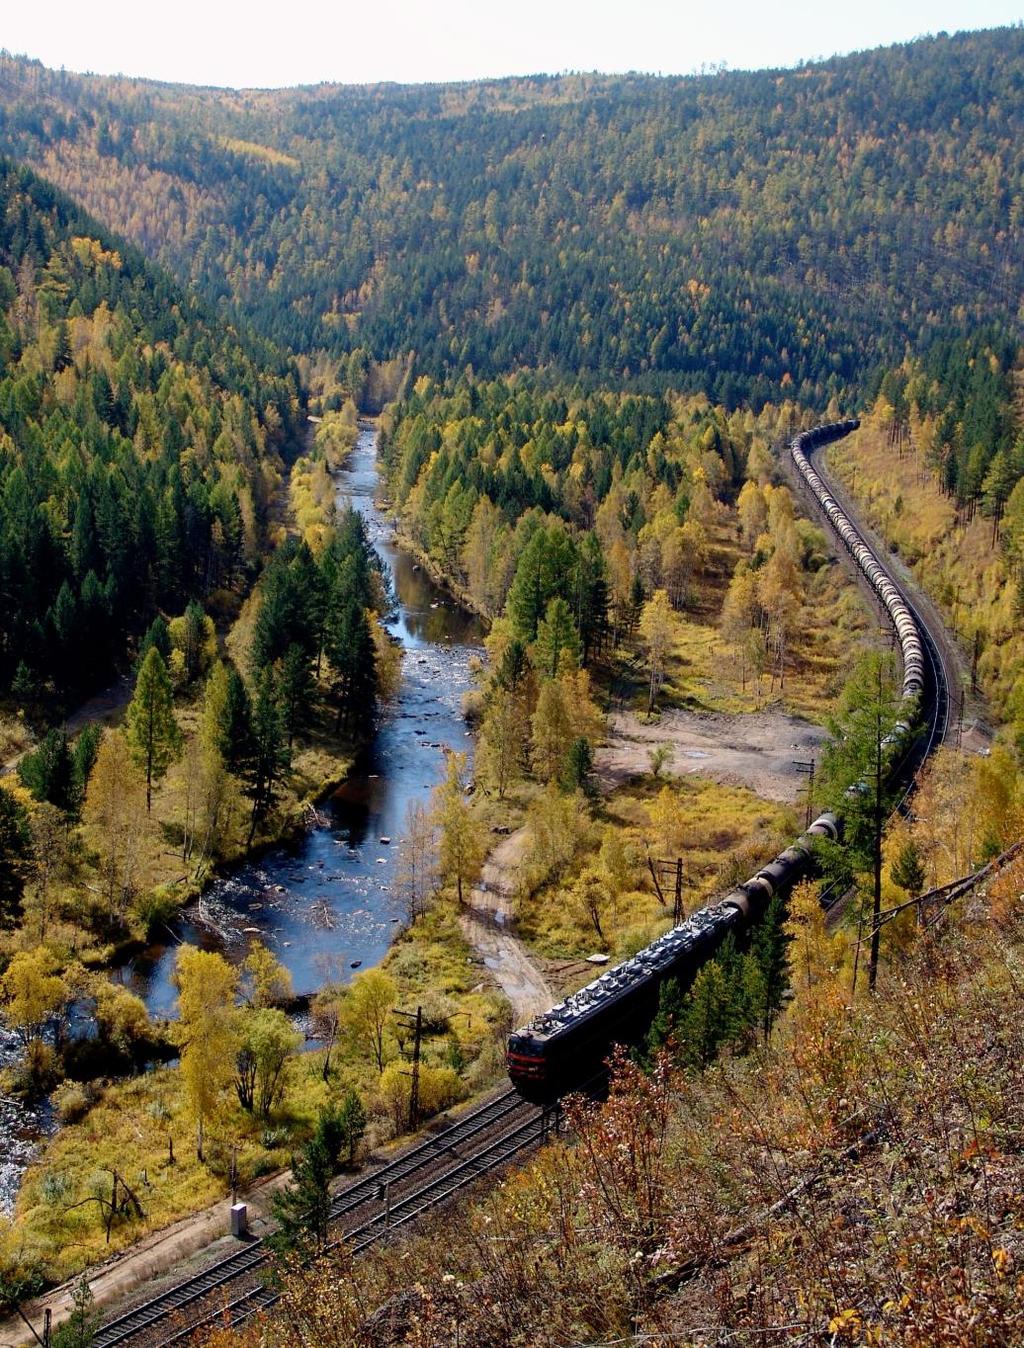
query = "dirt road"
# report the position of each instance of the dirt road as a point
(755, 750)
(105, 707)
(487, 924)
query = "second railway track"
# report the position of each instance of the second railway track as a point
(362, 1212)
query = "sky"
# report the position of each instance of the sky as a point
(256, 43)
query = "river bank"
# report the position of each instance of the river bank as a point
(324, 901)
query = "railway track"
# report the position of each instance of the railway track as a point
(939, 677)
(366, 1212)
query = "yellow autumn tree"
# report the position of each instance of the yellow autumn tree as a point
(206, 1032)
(462, 847)
(659, 628)
(814, 954)
(115, 812)
(366, 1012)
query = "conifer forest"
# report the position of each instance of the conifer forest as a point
(512, 707)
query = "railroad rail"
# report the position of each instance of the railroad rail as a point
(936, 701)
(937, 718)
(494, 1132)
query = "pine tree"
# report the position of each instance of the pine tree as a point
(152, 732)
(270, 754)
(297, 688)
(303, 1210)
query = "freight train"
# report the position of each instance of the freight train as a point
(565, 1045)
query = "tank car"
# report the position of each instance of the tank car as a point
(566, 1045)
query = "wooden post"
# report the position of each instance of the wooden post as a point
(414, 1093)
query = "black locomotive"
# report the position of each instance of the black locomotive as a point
(564, 1046)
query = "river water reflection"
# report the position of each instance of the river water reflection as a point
(324, 904)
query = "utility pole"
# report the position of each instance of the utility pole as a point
(806, 766)
(675, 869)
(974, 660)
(384, 1195)
(960, 717)
(414, 1093)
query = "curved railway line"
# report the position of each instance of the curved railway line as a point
(939, 678)
(234, 1288)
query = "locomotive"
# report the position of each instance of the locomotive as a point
(562, 1047)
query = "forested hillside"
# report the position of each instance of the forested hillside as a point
(140, 446)
(745, 235)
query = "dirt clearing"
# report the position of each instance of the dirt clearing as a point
(755, 750)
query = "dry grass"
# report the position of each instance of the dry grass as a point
(719, 831)
(15, 738)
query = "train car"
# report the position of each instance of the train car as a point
(566, 1045)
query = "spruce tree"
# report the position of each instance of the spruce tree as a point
(152, 732)
(297, 689)
(49, 771)
(303, 1209)
(270, 754)
(15, 850)
(158, 636)
(768, 947)
(578, 773)
(236, 737)
(857, 776)
(353, 1120)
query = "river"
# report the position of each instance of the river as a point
(324, 903)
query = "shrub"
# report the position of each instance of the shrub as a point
(55, 1189)
(157, 906)
(37, 1072)
(72, 1101)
